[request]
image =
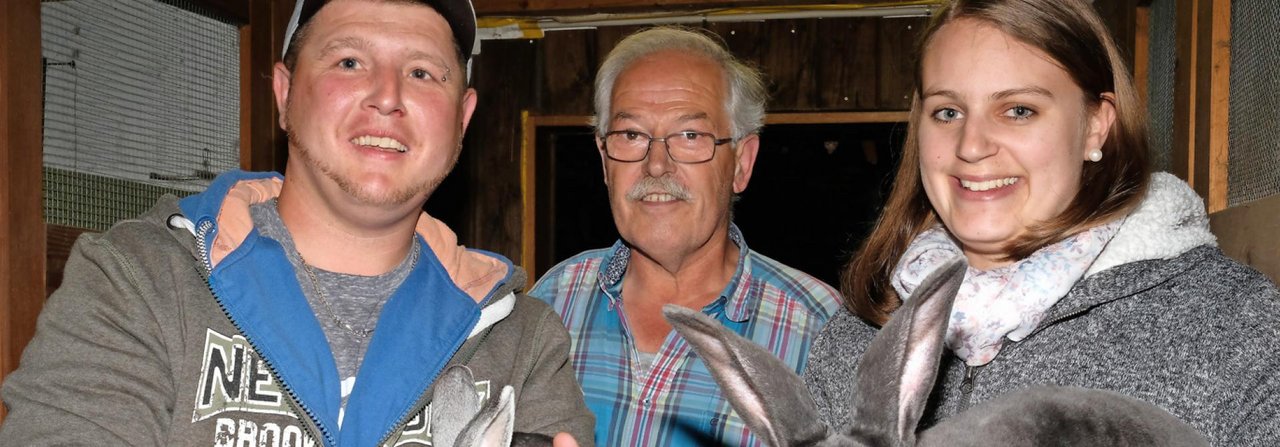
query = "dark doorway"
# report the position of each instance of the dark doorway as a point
(814, 194)
(572, 204)
(816, 191)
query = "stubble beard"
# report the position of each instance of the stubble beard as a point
(362, 193)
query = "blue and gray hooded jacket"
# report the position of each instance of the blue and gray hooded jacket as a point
(187, 327)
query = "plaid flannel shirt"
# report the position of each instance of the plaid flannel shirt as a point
(677, 402)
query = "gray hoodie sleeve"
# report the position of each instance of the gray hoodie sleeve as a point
(96, 372)
(551, 401)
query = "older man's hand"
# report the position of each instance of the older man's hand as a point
(564, 440)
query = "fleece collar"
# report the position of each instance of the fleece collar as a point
(1170, 221)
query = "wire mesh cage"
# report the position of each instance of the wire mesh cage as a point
(141, 99)
(1162, 57)
(1254, 129)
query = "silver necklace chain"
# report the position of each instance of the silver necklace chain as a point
(324, 302)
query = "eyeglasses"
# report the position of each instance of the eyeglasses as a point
(686, 147)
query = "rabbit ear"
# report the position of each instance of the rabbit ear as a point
(453, 402)
(493, 426)
(765, 392)
(896, 374)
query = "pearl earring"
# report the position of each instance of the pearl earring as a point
(1095, 155)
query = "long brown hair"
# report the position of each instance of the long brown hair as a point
(1071, 33)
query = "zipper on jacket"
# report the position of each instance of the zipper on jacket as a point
(202, 250)
(309, 417)
(425, 398)
(966, 387)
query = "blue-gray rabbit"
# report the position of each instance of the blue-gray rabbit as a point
(895, 377)
(458, 420)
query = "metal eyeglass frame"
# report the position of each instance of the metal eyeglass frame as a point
(604, 141)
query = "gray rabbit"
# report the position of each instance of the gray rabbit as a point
(458, 420)
(895, 377)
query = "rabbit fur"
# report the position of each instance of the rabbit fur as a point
(895, 377)
(458, 420)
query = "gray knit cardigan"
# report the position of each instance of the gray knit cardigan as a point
(1196, 334)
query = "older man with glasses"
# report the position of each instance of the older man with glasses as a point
(676, 121)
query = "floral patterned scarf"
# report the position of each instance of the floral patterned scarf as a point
(1007, 301)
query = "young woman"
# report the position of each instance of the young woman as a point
(1027, 155)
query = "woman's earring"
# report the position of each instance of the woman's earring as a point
(1095, 155)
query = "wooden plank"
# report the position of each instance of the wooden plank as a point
(22, 239)
(845, 50)
(263, 145)
(1184, 101)
(562, 120)
(746, 40)
(788, 60)
(568, 68)
(549, 7)
(837, 117)
(1142, 51)
(1247, 234)
(1213, 93)
(492, 147)
(605, 39)
(897, 61)
(528, 192)
(1120, 17)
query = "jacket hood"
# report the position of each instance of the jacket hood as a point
(226, 204)
(451, 295)
(1170, 221)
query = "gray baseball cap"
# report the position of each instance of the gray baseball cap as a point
(460, 15)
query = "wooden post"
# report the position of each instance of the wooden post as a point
(262, 142)
(22, 235)
(1212, 99)
(1184, 100)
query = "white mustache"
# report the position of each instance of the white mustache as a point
(659, 185)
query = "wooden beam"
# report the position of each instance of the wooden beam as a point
(772, 118)
(836, 117)
(528, 191)
(1119, 16)
(261, 38)
(555, 7)
(561, 120)
(1213, 94)
(1142, 52)
(1181, 155)
(1247, 234)
(22, 235)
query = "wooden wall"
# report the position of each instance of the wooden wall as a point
(1248, 232)
(812, 65)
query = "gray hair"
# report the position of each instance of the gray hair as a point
(745, 103)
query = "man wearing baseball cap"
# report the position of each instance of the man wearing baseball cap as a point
(314, 308)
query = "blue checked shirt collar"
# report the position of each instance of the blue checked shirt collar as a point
(739, 303)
